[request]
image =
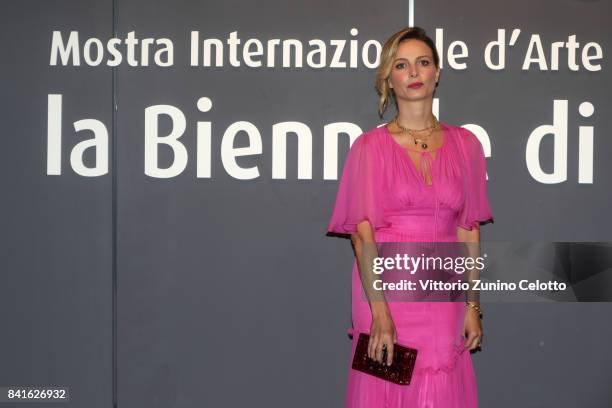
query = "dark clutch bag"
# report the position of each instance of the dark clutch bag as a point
(400, 370)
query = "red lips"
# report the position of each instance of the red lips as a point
(415, 85)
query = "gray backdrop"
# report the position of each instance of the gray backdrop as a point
(219, 292)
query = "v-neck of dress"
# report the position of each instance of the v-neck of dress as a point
(405, 153)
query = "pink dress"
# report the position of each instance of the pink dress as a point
(381, 184)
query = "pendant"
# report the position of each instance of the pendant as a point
(424, 145)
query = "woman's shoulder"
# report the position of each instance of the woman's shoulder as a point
(464, 133)
(370, 138)
(465, 136)
(374, 133)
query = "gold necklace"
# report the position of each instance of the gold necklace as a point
(422, 140)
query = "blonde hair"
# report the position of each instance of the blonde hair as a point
(387, 55)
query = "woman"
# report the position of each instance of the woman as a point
(413, 180)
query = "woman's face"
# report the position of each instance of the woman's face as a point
(413, 64)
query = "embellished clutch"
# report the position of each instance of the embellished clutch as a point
(400, 370)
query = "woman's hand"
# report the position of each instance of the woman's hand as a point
(382, 333)
(472, 328)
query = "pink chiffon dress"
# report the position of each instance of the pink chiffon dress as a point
(381, 184)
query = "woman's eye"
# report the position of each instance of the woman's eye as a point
(425, 62)
(400, 65)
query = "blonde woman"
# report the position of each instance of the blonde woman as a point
(413, 180)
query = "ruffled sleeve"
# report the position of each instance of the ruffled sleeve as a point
(360, 192)
(476, 208)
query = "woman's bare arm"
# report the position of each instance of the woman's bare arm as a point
(472, 324)
(382, 331)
